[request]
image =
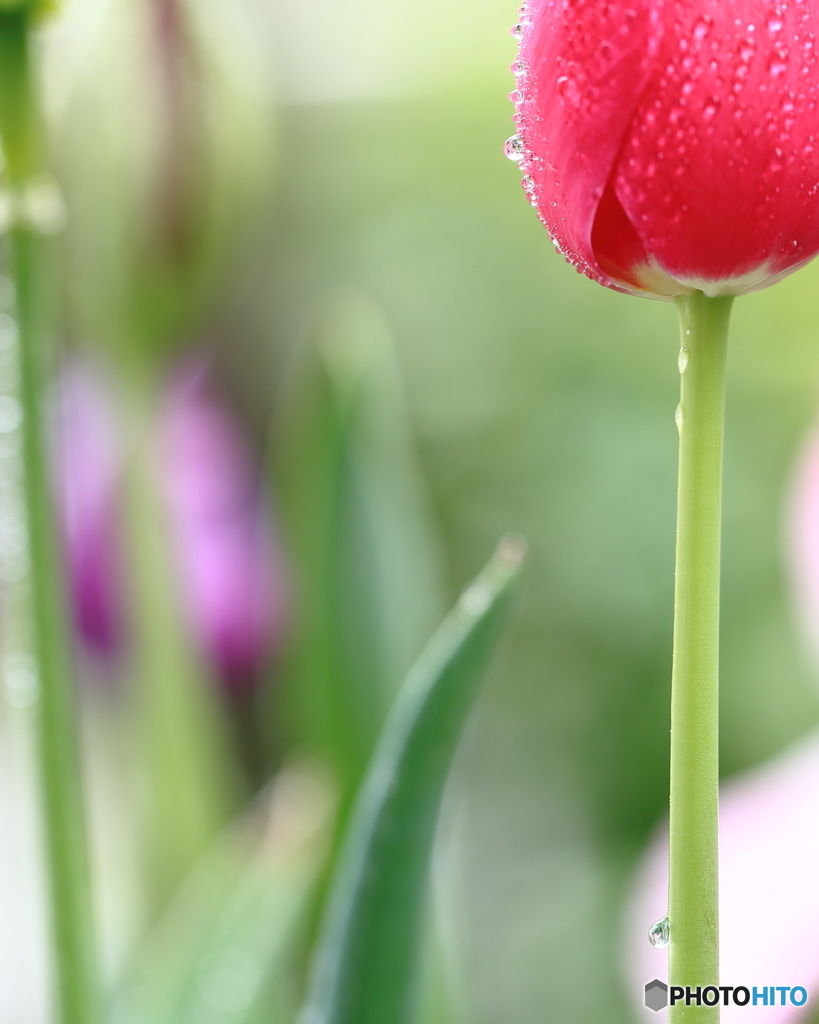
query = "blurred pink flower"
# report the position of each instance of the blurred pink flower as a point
(222, 545)
(228, 564)
(769, 889)
(88, 461)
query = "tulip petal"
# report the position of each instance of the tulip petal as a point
(720, 166)
(584, 66)
(671, 145)
(769, 895)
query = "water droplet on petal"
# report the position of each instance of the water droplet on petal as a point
(567, 88)
(659, 933)
(528, 183)
(517, 30)
(701, 28)
(514, 149)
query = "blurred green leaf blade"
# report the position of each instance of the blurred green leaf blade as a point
(365, 969)
(359, 517)
(221, 953)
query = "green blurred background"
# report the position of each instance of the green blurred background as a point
(421, 373)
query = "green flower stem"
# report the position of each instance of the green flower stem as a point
(60, 773)
(189, 787)
(692, 900)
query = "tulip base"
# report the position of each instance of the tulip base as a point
(694, 798)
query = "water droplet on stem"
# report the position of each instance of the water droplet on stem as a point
(659, 933)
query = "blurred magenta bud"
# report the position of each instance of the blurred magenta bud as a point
(222, 546)
(88, 463)
(769, 889)
(162, 200)
(228, 564)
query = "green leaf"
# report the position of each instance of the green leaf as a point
(366, 964)
(222, 952)
(360, 524)
(188, 778)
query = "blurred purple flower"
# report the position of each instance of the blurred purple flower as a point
(88, 461)
(228, 570)
(228, 564)
(769, 889)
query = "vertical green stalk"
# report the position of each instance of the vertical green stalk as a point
(189, 787)
(60, 773)
(692, 900)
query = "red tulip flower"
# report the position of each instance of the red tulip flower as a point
(672, 146)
